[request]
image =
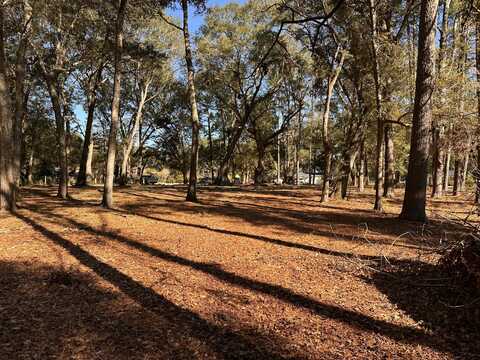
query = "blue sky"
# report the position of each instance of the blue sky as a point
(196, 20)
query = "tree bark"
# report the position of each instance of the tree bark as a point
(55, 97)
(416, 186)
(361, 168)
(128, 144)
(477, 51)
(112, 138)
(446, 168)
(192, 181)
(438, 162)
(30, 167)
(456, 176)
(84, 176)
(378, 100)
(210, 147)
(327, 146)
(466, 159)
(389, 185)
(7, 136)
(438, 129)
(348, 164)
(20, 98)
(278, 160)
(259, 176)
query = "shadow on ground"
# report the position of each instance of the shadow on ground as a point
(179, 333)
(445, 306)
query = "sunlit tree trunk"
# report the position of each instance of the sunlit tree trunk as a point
(192, 181)
(378, 99)
(210, 146)
(20, 98)
(446, 168)
(456, 176)
(327, 146)
(30, 166)
(437, 162)
(85, 174)
(310, 163)
(466, 160)
(278, 160)
(112, 138)
(389, 185)
(361, 168)
(57, 104)
(7, 138)
(128, 143)
(348, 164)
(416, 186)
(438, 129)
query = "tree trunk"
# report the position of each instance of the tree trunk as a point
(7, 133)
(438, 129)
(259, 176)
(20, 99)
(348, 163)
(192, 181)
(456, 177)
(389, 186)
(361, 168)
(327, 146)
(477, 192)
(297, 149)
(61, 135)
(84, 176)
(310, 163)
(88, 167)
(278, 160)
(210, 148)
(378, 100)
(446, 168)
(438, 161)
(466, 160)
(30, 167)
(128, 144)
(326, 176)
(112, 138)
(416, 186)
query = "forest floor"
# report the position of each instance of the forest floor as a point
(267, 273)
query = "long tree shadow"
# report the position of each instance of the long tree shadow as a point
(447, 306)
(52, 312)
(46, 211)
(223, 341)
(396, 332)
(315, 222)
(387, 230)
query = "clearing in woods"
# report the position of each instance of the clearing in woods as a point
(248, 273)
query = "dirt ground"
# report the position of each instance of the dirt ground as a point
(266, 273)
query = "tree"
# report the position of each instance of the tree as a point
(380, 151)
(20, 75)
(192, 181)
(336, 67)
(112, 139)
(477, 52)
(438, 128)
(7, 139)
(416, 186)
(96, 64)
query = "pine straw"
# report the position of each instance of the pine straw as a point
(247, 274)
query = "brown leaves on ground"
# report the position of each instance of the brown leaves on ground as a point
(249, 273)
